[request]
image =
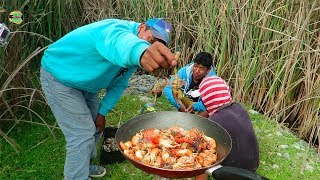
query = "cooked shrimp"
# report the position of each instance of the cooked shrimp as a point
(174, 148)
(136, 139)
(139, 155)
(181, 152)
(211, 143)
(165, 143)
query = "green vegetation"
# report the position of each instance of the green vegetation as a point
(267, 50)
(283, 155)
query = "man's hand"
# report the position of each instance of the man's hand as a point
(156, 56)
(190, 109)
(182, 106)
(204, 114)
(100, 123)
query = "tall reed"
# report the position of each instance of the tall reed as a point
(267, 50)
(21, 99)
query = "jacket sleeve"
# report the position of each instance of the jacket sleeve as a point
(115, 91)
(168, 92)
(198, 106)
(168, 89)
(212, 72)
(121, 46)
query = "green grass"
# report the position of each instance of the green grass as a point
(41, 157)
(282, 155)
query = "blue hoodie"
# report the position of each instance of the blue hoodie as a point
(185, 74)
(92, 57)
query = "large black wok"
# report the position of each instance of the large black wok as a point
(165, 119)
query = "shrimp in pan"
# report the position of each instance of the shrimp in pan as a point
(173, 148)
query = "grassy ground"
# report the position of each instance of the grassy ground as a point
(282, 155)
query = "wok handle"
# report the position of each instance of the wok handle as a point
(233, 173)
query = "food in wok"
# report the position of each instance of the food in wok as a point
(173, 148)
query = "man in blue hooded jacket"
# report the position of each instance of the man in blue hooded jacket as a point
(100, 55)
(192, 75)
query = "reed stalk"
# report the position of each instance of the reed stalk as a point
(268, 51)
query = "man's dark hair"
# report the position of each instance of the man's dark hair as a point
(204, 58)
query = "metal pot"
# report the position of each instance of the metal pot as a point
(165, 119)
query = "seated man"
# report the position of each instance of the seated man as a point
(217, 99)
(192, 75)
